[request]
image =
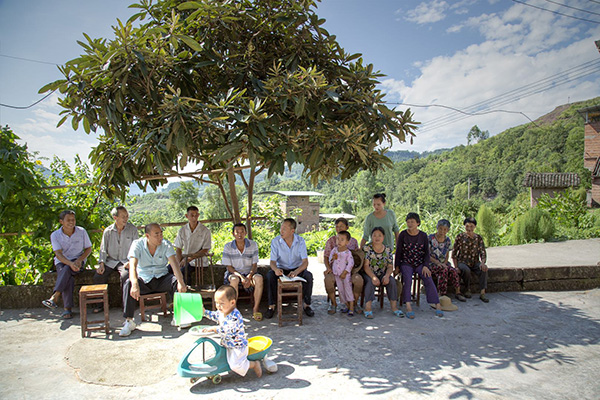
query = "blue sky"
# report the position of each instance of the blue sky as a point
(462, 54)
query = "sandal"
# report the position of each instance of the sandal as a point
(399, 313)
(410, 314)
(331, 309)
(66, 314)
(50, 304)
(369, 314)
(257, 316)
(439, 313)
(351, 313)
(344, 309)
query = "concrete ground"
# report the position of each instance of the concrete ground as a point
(526, 345)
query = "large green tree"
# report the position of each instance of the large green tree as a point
(227, 84)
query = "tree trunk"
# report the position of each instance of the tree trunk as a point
(249, 208)
(233, 193)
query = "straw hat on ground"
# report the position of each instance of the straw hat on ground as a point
(446, 304)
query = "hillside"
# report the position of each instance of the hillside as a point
(489, 171)
(448, 180)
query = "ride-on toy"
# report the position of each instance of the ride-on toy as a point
(258, 348)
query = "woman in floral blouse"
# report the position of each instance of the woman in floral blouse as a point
(379, 269)
(469, 256)
(442, 271)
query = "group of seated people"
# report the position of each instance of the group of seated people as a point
(151, 264)
(416, 253)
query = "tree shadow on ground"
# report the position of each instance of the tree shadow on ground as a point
(247, 384)
(515, 331)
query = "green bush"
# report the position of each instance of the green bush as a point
(487, 225)
(534, 225)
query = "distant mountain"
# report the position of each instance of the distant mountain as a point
(405, 155)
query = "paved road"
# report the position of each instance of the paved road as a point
(530, 345)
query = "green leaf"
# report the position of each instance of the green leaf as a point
(299, 109)
(86, 125)
(190, 42)
(52, 86)
(189, 5)
(333, 95)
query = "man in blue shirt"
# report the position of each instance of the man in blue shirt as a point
(148, 272)
(289, 257)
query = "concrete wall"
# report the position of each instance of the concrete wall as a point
(31, 296)
(309, 219)
(536, 193)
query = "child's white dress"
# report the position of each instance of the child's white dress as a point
(233, 338)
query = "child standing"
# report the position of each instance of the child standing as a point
(231, 330)
(342, 263)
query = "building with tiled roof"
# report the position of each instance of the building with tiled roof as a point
(549, 182)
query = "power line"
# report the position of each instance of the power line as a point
(571, 7)
(556, 12)
(531, 93)
(462, 111)
(515, 93)
(561, 78)
(28, 59)
(29, 106)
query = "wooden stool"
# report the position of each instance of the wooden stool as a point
(93, 294)
(162, 303)
(285, 290)
(379, 295)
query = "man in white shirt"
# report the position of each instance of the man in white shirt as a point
(71, 245)
(114, 248)
(192, 242)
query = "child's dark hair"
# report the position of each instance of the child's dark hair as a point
(415, 216)
(471, 220)
(378, 228)
(229, 292)
(345, 233)
(380, 196)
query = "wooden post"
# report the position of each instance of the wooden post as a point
(234, 199)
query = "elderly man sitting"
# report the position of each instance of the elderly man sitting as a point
(148, 272)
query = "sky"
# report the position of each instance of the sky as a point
(504, 61)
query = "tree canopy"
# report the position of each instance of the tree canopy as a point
(227, 84)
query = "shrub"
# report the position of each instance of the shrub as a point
(534, 225)
(487, 225)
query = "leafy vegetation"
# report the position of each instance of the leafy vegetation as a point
(29, 209)
(228, 85)
(482, 179)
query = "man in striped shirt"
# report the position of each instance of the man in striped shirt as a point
(241, 260)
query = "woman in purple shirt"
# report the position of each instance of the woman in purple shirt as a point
(412, 255)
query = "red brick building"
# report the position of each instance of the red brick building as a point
(591, 153)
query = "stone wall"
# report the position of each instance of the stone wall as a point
(31, 296)
(499, 280)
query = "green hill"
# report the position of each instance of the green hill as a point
(489, 171)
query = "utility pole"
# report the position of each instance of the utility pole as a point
(469, 189)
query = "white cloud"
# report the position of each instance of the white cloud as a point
(428, 12)
(41, 135)
(519, 47)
